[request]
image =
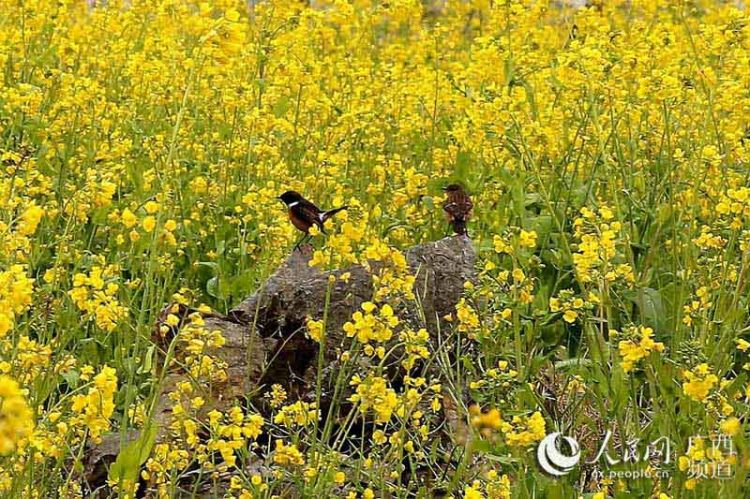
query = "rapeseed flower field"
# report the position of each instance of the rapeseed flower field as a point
(606, 148)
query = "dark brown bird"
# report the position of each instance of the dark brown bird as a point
(304, 214)
(457, 206)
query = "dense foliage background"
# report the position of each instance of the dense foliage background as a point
(606, 148)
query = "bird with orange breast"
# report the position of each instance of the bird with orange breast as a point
(457, 207)
(303, 214)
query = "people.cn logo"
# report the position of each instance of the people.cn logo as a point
(552, 460)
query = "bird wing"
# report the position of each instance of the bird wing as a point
(308, 212)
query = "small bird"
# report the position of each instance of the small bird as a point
(457, 206)
(304, 214)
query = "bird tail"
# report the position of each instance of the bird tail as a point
(328, 214)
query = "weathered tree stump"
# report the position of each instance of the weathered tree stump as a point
(295, 292)
(266, 340)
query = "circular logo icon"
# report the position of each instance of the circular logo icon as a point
(552, 460)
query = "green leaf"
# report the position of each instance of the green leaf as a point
(212, 287)
(279, 109)
(148, 361)
(619, 395)
(576, 362)
(71, 377)
(650, 307)
(132, 456)
(542, 225)
(503, 459)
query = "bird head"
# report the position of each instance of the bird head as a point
(290, 197)
(453, 188)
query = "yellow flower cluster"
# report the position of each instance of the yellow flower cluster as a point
(297, 414)
(341, 247)
(699, 382)
(21, 181)
(16, 290)
(468, 319)
(392, 278)
(520, 431)
(287, 455)
(415, 346)
(496, 486)
(597, 254)
(149, 222)
(315, 329)
(143, 144)
(30, 360)
(199, 343)
(216, 440)
(95, 408)
(373, 393)
(95, 294)
(165, 459)
(524, 239)
(638, 344)
(29, 220)
(572, 306)
(16, 417)
(277, 396)
(485, 422)
(372, 324)
(523, 431)
(697, 309)
(229, 433)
